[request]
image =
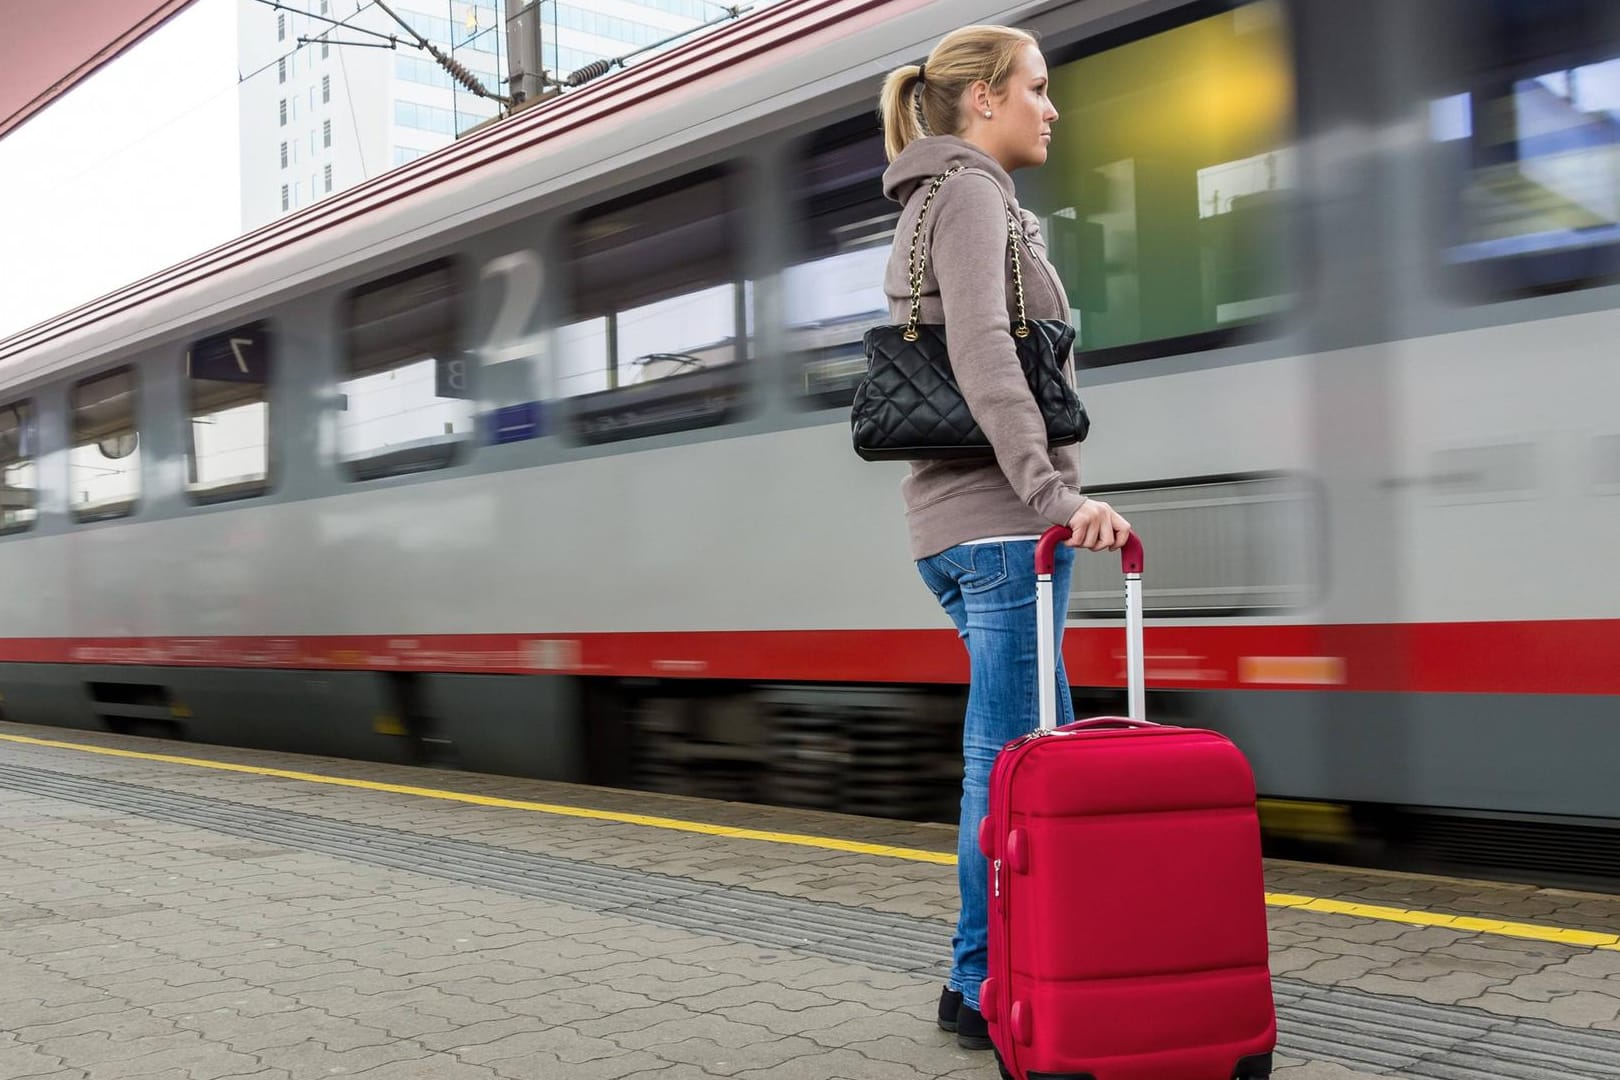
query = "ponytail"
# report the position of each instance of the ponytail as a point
(913, 106)
(902, 119)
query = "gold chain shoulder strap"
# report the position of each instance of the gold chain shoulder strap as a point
(917, 261)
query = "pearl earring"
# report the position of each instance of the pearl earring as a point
(987, 114)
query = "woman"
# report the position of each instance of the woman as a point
(980, 101)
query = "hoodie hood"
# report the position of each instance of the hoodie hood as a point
(926, 158)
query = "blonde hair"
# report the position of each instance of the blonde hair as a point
(962, 58)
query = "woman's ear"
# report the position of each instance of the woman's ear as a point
(979, 96)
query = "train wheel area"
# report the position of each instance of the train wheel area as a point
(224, 912)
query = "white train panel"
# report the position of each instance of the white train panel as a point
(787, 530)
(1502, 514)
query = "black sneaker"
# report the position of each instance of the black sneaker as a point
(972, 1032)
(950, 1003)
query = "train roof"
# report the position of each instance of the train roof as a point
(48, 55)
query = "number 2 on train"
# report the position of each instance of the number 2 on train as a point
(506, 340)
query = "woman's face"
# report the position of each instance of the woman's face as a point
(1020, 126)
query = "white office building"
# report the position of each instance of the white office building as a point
(327, 101)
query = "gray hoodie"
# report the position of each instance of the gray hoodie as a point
(968, 287)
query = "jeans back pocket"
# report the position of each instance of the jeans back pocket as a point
(984, 566)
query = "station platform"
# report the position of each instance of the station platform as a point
(174, 911)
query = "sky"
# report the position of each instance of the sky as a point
(134, 170)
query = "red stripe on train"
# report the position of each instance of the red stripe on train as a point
(1551, 657)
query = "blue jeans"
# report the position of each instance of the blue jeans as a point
(988, 590)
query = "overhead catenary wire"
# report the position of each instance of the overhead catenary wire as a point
(594, 70)
(277, 5)
(354, 116)
(597, 68)
(344, 23)
(324, 40)
(456, 69)
(348, 88)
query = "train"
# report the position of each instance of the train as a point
(532, 456)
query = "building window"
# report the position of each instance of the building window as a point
(283, 112)
(326, 133)
(298, 195)
(285, 204)
(326, 88)
(283, 155)
(405, 399)
(1170, 212)
(281, 70)
(18, 480)
(326, 7)
(328, 173)
(228, 438)
(431, 118)
(104, 464)
(326, 50)
(281, 27)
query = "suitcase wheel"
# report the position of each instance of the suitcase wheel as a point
(1257, 1067)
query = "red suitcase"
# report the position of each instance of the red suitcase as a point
(1127, 900)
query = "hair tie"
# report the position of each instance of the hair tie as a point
(920, 69)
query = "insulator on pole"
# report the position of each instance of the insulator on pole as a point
(593, 70)
(458, 71)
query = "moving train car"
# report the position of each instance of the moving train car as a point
(532, 455)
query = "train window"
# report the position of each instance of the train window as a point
(228, 437)
(105, 461)
(1524, 118)
(662, 317)
(406, 403)
(1169, 196)
(18, 490)
(834, 293)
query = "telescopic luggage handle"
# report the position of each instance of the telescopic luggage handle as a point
(1131, 561)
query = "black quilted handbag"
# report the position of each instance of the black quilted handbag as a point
(909, 408)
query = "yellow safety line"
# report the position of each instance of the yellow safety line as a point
(1462, 923)
(797, 839)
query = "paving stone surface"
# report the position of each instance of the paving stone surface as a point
(135, 947)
